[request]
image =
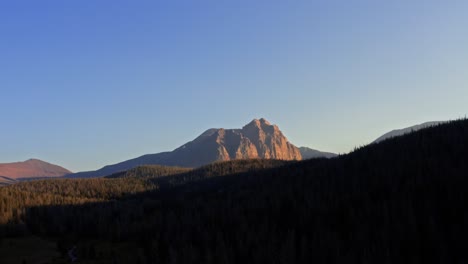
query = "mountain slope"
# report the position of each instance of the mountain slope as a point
(308, 153)
(166, 177)
(258, 139)
(403, 131)
(31, 168)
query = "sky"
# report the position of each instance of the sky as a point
(88, 83)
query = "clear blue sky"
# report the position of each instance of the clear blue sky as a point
(88, 83)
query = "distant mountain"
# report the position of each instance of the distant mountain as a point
(403, 131)
(308, 153)
(32, 168)
(258, 139)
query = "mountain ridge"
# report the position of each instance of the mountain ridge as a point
(31, 168)
(406, 130)
(309, 153)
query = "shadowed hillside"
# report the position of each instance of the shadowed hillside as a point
(172, 176)
(400, 201)
(149, 171)
(218, 169)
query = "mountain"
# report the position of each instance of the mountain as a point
(403, 131)
(258, 139)
(308, 153)
(32, 168)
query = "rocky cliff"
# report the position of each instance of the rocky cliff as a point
(256, 140)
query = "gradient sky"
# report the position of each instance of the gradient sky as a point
(88, 83)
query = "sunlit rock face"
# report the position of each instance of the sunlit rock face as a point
(258, 139)
(270, 141)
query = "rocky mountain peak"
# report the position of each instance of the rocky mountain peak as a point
(270, 141)
(264, 121)
(257, 139)
(261, 123)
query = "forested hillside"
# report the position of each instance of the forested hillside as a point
(149, 171)
(402, 200)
